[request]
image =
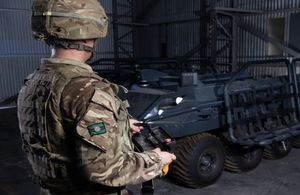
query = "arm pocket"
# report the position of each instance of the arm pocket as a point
(98, 126)
(106, 100)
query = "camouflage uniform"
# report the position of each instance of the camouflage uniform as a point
(76, 132)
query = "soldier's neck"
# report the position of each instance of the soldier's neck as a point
(72, 54)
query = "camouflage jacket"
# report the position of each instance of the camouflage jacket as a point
(76, 131)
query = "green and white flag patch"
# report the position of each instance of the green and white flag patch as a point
(97, 129)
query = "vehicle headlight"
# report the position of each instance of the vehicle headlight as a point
(160, 112)
(178, 100)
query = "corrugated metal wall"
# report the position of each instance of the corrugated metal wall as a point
(174, 28)
(105, 47)
(166, 28)
(20, 54)
(181, 37)
(251, 47)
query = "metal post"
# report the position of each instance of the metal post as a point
(123, 27)
(116, 37)
(133, 18)
(203, 28)
(234, 39)
(213, 16)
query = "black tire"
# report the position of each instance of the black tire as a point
(239, 159)
(296, 142)
(199, 160)
(276, 150)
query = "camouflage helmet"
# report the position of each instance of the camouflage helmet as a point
(68, 19)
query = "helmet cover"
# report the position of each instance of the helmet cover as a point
(68, 19)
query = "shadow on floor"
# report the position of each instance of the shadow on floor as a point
(270, 178)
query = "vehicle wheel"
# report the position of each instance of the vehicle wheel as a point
(296, 142)
(240, 159)
(277, 150)
(199, 160)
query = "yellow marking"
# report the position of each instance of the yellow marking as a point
(165, 170)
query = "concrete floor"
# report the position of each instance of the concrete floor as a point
(280, 177)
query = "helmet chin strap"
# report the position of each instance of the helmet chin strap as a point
(93, 54)
(71, 45)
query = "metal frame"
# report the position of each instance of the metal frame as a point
(229, 30)
(221, 24)
(122, 30)
(292, 79)
(295, 79)
(124, 10)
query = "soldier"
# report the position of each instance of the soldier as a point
(75, 130)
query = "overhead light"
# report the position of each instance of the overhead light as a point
(178, 100)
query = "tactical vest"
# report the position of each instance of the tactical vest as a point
(47, 138)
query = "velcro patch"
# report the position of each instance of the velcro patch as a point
(97, 129)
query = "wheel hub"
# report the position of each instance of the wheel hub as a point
(249, 155)
(206, 162)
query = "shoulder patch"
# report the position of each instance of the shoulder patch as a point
(97, 129)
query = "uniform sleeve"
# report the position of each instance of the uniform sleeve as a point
(104, 156)
(76, 97)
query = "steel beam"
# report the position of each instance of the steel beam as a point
(220, 51)
(190, 53)
(174, 19)
(223, 28)
(116, 35)
(132, 24)
(234, 38)
(214, 33)
(234, 44)
(265, 37)
(147, 10)
(203, 27)
(126, 52)
(235, 10)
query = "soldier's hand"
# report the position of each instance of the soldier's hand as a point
(134, 127)
(166, 157)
